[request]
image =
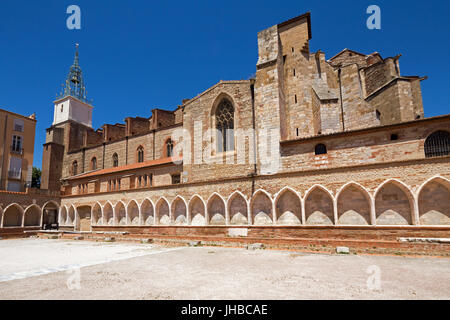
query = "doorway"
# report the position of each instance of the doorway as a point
(84, 221)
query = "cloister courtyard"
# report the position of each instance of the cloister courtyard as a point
(59, 269)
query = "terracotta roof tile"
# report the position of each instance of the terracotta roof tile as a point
(146, 164)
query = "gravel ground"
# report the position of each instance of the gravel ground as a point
(50, 269)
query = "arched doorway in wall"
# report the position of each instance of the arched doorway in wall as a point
(319, 207)
(197, 211)
(120, 214)
(50, 213)
(288, 208)
(353, 206)
(393, 204)
(261, 206)
(147, 213)
(163, 212)
(12, 216)
(71, 216)
(179, 212)
(63, 216)
(32, 216)
(238, 209)
(97, 215)
(108, 214)
(83, 219)
(216, 210)
(133, 213)
(434, 203)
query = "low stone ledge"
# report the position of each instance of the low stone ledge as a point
(425, 240)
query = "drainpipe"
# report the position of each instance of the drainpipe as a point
(126, 154)
(4, 151)
(154, 140)
(342, 102)
(84, 158)
(103, 158)
(255, 147)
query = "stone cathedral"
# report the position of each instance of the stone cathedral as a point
(328, 142)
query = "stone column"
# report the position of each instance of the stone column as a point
(373, 213)
(302, 201)
(249, 213)
(274, 213)
(335, 212)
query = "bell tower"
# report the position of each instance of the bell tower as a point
(72, 103)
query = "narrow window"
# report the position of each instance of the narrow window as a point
(292, 49)
(140, 154)
(94, 163)
(16, 144)
(295, 98)
(115, 159)
(437, 144)
(75, 168)
(150, 180)
(225, 126)
(169, 148)
(294, 72)
(320, 149)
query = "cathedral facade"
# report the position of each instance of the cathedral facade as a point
(308, 141)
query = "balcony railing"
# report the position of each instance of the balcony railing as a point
(16, 150)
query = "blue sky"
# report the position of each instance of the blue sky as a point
(138, 55)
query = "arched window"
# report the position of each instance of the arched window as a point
(140, 154)
(169, 148)
(74, 168)
(225, 126)
(437, 144)
(115, 159)
(320, 149)
(94, 163)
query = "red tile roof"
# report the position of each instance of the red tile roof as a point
(146, 164)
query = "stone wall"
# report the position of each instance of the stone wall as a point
(26, 209)
(367, 195)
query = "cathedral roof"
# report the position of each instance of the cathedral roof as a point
(145, 164)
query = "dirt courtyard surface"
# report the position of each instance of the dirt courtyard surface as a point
(56, 269)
